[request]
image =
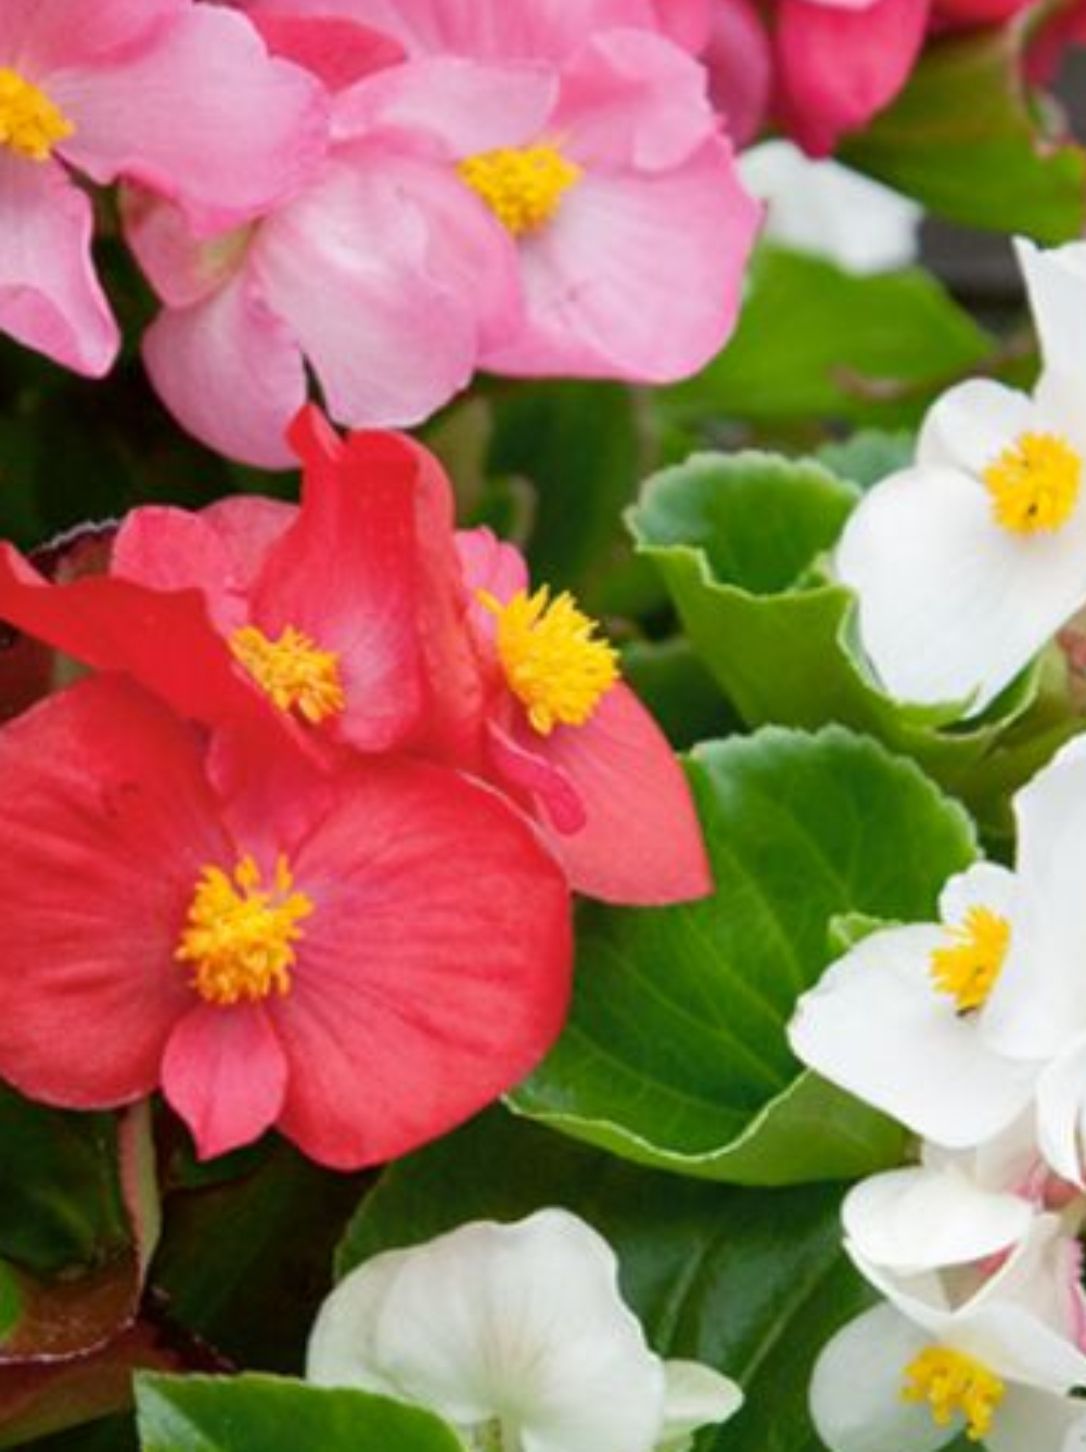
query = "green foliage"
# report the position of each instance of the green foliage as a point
(675, 1052)
(264, 1414)
(750, 1282)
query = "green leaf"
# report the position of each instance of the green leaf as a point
(681, 694)
(816, 342)
(964, 138)
(268, 1414)
(675, 1052)
(869, 456)
(737, 539)
(750, 1282)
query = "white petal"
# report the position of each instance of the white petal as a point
(1036, 1421)
(950, 603)
(856, 1400)
(826, 208)
(922, 1219)
(697, 1396)
(877, 1026)
(523, 1322)
(1009, 1160)
(1056, 283)
(971, 424)
(1061, 1113)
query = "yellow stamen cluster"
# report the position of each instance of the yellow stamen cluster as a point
(1034, 483)
(952, 1382)
(523, 186)
(240, 935)
(293, 670)
(967, 968)
(30, 124)
(552, 659)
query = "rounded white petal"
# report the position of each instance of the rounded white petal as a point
(877, 1026)
(914, 1220)
(1008, 1161)
(696, 1396)
(856, 1401)
(1061, 1113)
(826, 208)
(951, 605)
(523, 1322)
(1037, 1421)
(971, 424)
(1056, 284)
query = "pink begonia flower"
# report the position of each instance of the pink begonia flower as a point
(505, 214)
(362, 959)
(570, 739)
(181, 96)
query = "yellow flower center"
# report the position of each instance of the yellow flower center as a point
(967, 968)
(29, 122)
(952, 1382)
(294, 672)
(552, 658)
(522, 185)
(1034, 483)
(240, 935)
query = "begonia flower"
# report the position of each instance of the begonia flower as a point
(502, 213)
(959, 1028)
(566, 734)
(362, 958)
(519, 1336)
(180, 96)
(830, 210)
(967, 563)
(993, 1353)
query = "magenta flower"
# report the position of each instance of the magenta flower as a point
(180, 96)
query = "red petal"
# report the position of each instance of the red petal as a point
(225, 1074)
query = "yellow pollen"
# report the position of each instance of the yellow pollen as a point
(240, 935)
(952, 1382)
(552, 658)
(1034, 483)
(523, 186)
(293, 670)
(967, 968)
(30, 124)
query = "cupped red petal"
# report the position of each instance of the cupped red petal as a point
(171, 549)
(106, 822)
(225, 1074)
(435, 969)
(641, 842)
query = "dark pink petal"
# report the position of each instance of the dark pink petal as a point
(337, 50)
(249, 525)
(529, 776)
(105, 825)
(230, 346)
(434, 972)
(838, 67)
(166, 642)
(203, 116)
(345, 574)
(225, 1075)
(39, 35)
(739, 60)
(964, 14)
(686, 22)
(50, 297)
(641, 842)
(170, 549)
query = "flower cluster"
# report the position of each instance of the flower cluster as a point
(301, 849)
(972, 1032)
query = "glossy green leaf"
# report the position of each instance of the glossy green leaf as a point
(815, 342)
(675, 1052)
(269, 1414)
(965, 138)
(752, 1282)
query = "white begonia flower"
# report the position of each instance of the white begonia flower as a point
(995, 1355)
(519, 1337)
(831, 210)
(956, 1029)
(967, 563)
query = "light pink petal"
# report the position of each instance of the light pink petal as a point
(491, 564)
(631, 100)
(599, 302)
(347, 268)
(434, 972)
(204, 117)
(838, 66)
(229, 347)
(171, 549)
(105, 825)
(225, 1075)
(50, 297)
(527, 775)
(38, 36)
(182, 268)
(641, 842)
(336, 49)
